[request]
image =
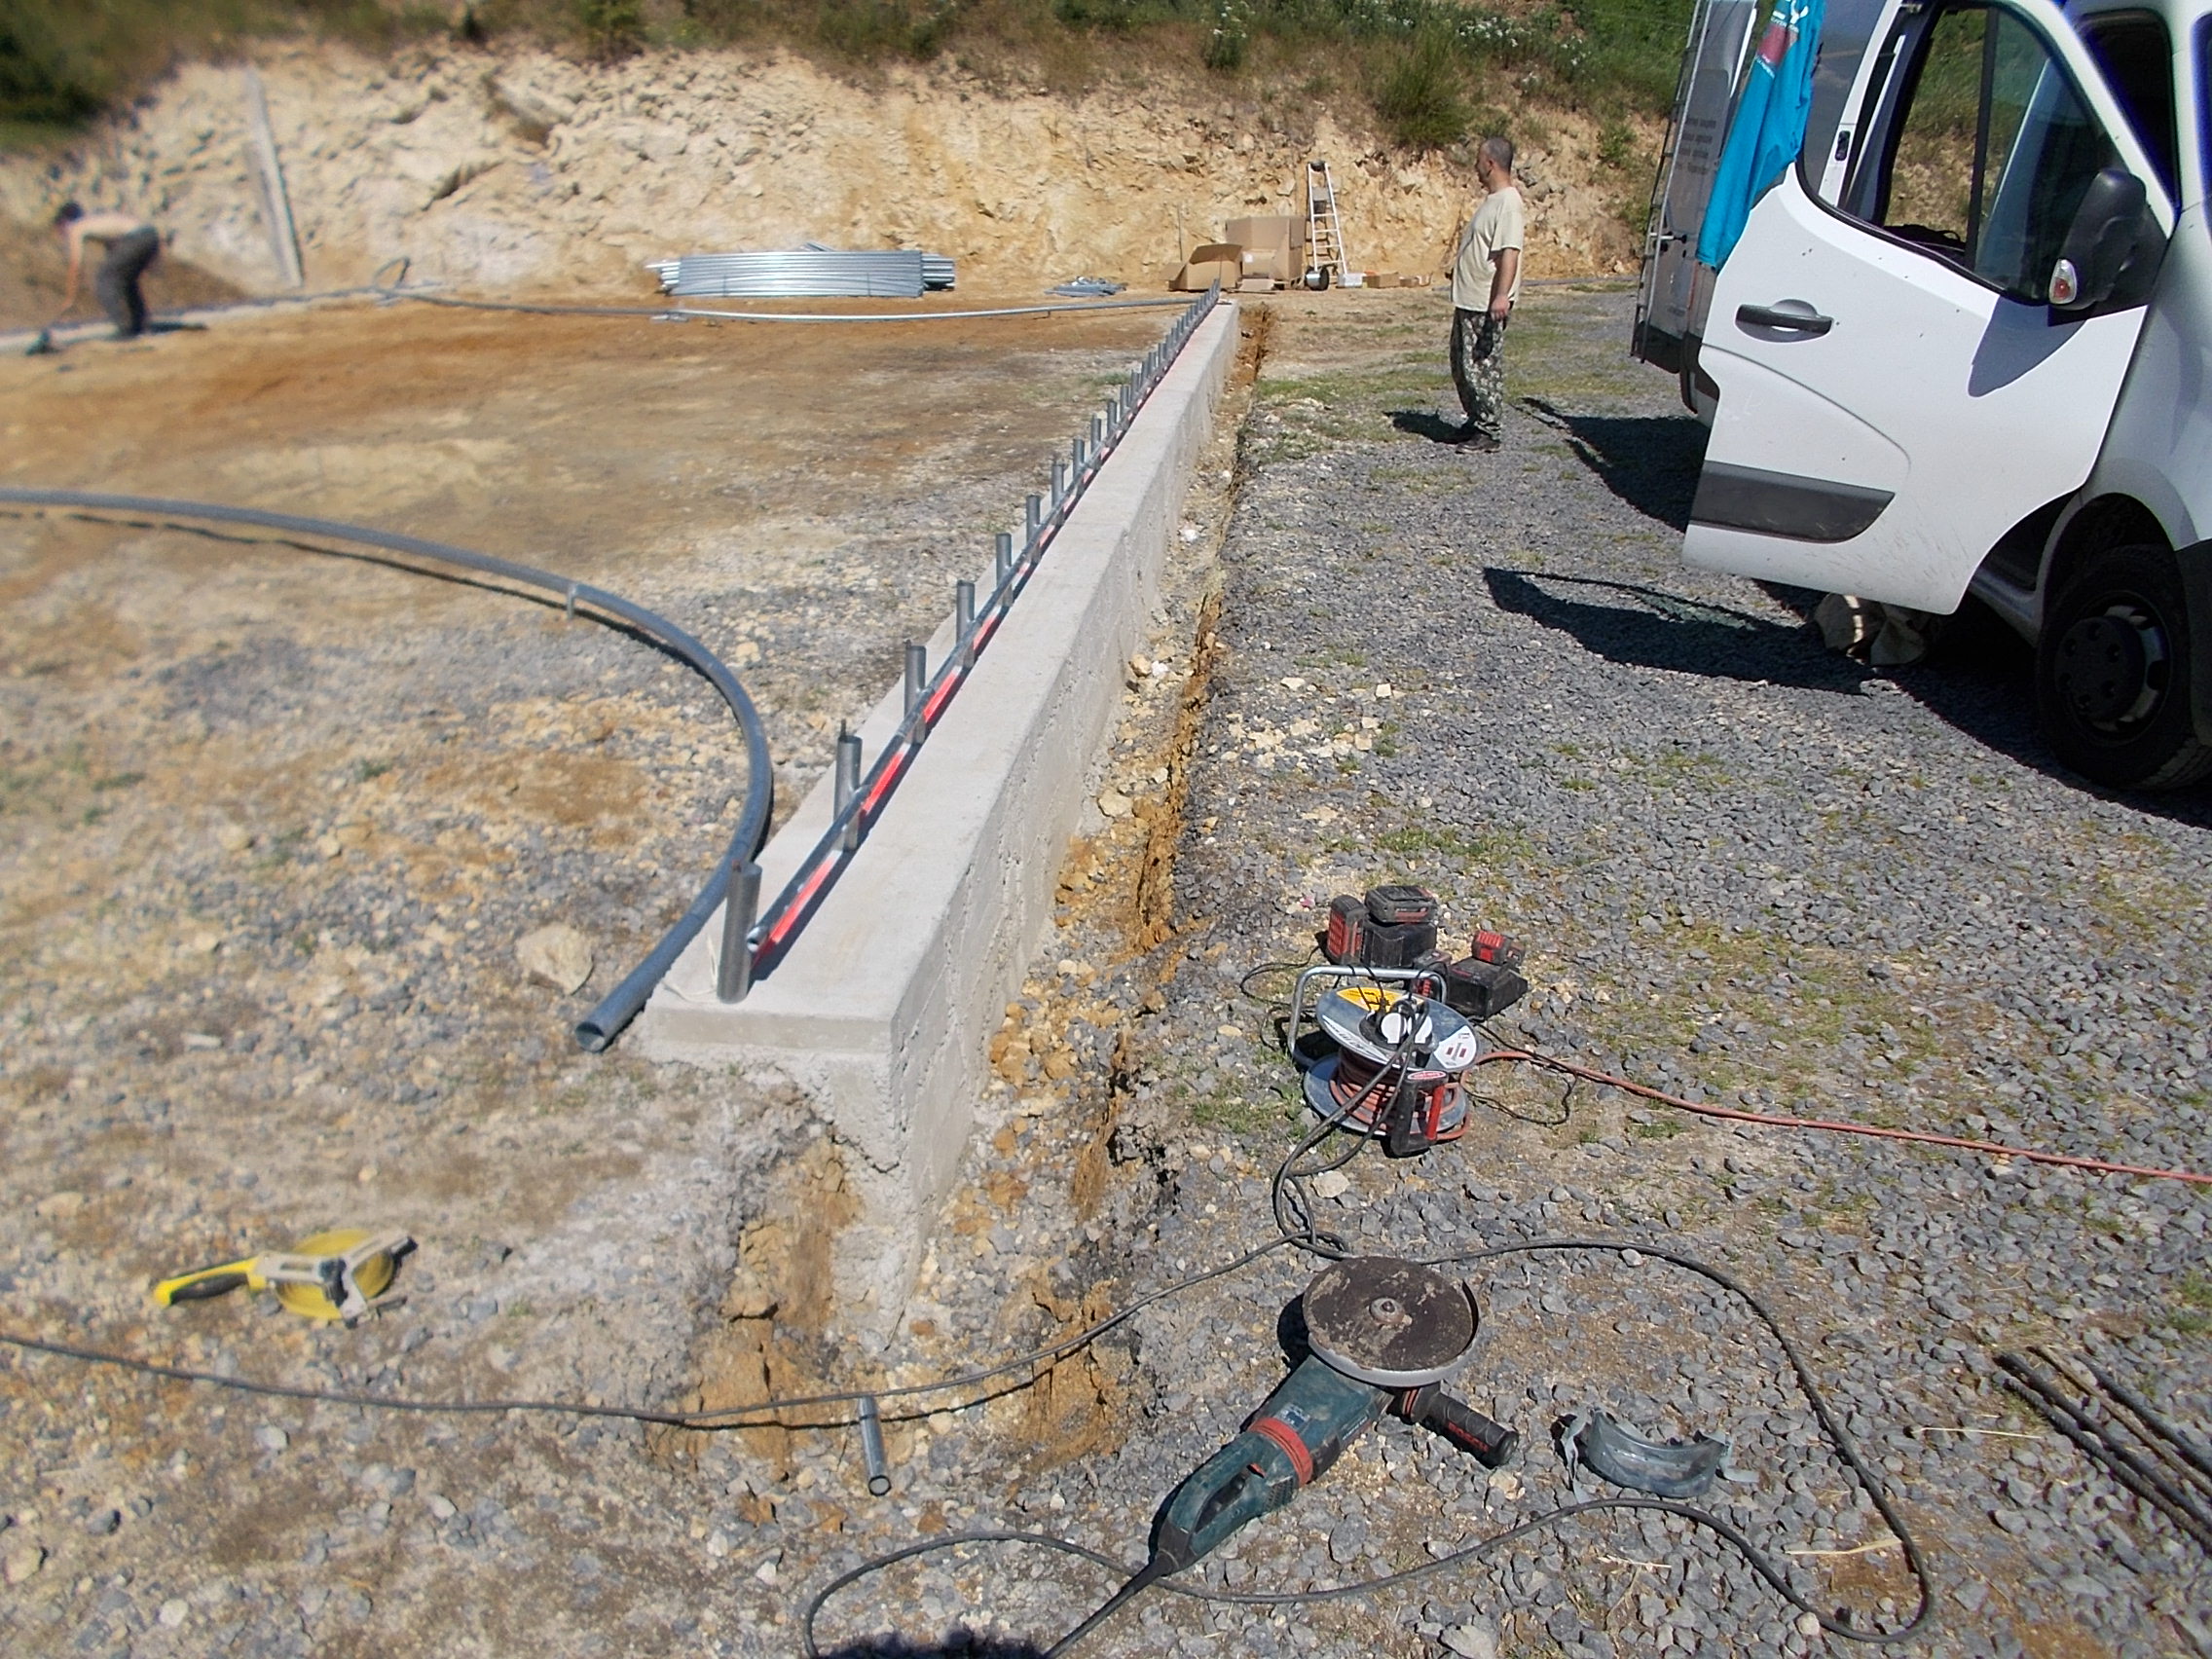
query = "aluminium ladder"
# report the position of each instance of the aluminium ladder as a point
(1324, 231)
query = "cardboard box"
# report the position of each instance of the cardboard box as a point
(1278, 240)
(1228, 252)
(1381, 278)
(1280, 229)
(1258, 286)
(1199, 274)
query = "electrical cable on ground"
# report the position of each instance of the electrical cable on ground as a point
(1522, 1054)
(1482, 1548)
(1834, 1125)
(763, 1415)
(759, 1415)
(1758, 1560)
(598, 1028)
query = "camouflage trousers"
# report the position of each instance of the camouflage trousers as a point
(1478, 369)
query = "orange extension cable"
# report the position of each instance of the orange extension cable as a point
(1832, 1126)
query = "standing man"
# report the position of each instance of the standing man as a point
(1485, 281)
(132, 244)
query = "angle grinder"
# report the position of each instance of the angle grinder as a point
(1384, 1334)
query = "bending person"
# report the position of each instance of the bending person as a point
(132, 244)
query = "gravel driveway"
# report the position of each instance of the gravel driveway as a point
(1747, 871)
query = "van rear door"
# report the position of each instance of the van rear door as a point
(1893, 391)
(1667, 312)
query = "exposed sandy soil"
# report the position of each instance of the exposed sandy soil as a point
(270, 825)
(516, 170)
(33, 267)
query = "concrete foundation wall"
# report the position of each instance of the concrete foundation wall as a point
(883, 1008)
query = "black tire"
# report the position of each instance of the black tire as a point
(2112, 673)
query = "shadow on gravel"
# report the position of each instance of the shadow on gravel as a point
(959, 1647)
(1425, 423)
(1980, 680)
(1650, 462)
(1649, 628)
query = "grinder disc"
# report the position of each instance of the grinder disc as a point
(1395, 1324)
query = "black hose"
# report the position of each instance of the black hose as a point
(599, 1027)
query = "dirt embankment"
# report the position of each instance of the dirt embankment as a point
(525, 171)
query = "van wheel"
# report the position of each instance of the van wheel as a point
(2112, 674)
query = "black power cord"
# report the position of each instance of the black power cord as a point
(1297, 1233)
(1838, 1624)
(759, 1415)
(1476, 1551)
(1300, 1233)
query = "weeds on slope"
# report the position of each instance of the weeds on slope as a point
(1426, 67)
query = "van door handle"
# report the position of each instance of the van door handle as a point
(1794, 321)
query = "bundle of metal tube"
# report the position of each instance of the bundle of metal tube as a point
(805, 273)
(2135, 1444)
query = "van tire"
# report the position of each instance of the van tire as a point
(2112, 673)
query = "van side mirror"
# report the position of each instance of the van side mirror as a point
(2112, 251)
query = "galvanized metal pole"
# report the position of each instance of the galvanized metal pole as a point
(871, 1448)
(733, 974)
(848, 784)
(1033, 511)
(1001, 556)
(964, 621)
(917, 674)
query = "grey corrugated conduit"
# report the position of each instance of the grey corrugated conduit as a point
(686, 312)
(621, 1006)
(396, 290)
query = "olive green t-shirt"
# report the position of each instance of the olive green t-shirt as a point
(1497, 226)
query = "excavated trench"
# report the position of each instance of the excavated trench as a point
(1051, 1137)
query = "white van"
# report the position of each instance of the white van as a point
(1966, 342)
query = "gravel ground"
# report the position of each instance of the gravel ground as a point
(1745, 869)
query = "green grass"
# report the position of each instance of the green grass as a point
(1487, 847)
(2193, 1317)
(1659, 1128)
(1241, 1115)
(1421, 94)
(1434, 71)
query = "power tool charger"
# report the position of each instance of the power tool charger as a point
(1391, 927)
(1395, 926)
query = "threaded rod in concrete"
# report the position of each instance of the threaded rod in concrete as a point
(733, 974)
